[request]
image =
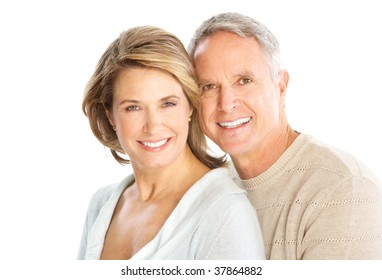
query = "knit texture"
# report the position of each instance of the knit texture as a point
(317, 202)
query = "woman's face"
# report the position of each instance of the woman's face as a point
(150, 112)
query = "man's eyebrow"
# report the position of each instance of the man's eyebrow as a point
(245, 73)
(204, 82)
(239, 74)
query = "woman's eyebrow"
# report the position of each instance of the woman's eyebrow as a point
(134, 101)
(128, 101)
(169, 97)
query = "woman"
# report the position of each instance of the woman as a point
(179, 203)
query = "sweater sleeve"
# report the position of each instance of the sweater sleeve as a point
(348, 225)
(230, 230)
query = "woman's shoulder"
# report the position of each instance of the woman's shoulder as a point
(220, 182)
(105, 193)
(218, 190)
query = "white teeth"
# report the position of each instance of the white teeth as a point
(155, 144)
(234, 123)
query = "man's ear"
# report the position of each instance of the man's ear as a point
(283, 82)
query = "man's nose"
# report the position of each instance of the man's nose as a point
(227, 101)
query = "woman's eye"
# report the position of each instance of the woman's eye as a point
(132, 108)
(169, 104)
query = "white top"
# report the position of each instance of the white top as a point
(213, 220)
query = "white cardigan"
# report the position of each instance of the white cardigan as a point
(213, 220)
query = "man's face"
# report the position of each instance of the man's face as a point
(241, 104)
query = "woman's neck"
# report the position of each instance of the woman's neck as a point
(172, 180)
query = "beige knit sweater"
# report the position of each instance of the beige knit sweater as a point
(317, 202)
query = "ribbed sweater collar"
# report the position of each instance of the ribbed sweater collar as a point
(279, 166)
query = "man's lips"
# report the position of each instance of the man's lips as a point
(235, 123)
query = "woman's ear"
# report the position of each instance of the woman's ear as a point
(110, 118)
(189, 116)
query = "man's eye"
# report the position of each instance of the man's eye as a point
(245, 81)
(209, 90)
(208, 87)
(132, 108)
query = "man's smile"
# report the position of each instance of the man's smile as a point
(234, 124)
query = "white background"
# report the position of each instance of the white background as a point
(51, 163)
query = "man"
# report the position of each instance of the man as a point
(313, 201)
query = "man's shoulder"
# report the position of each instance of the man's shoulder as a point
(308, 160)
(320, 155)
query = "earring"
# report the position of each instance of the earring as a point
(114, 128)
(189, 119)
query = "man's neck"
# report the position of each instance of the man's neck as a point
(255, 163)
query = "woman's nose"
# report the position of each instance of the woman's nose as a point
(153, 122)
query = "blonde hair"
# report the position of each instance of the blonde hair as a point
(150, 47)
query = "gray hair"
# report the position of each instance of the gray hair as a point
(245, 27)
